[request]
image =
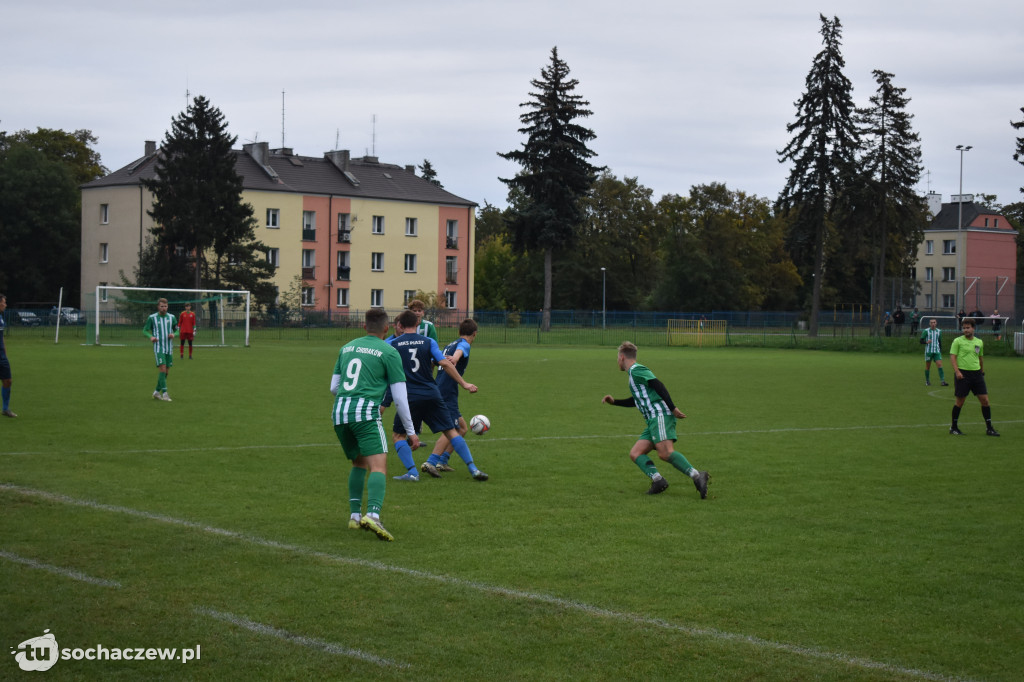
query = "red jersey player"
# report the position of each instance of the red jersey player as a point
(187, 329)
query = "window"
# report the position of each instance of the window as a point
(377, 262)
(929, 247)
(948, 274)
(948, 301)
(450, 299)
(376, 298)
(104, 214)
(451, 269)
(308, 264)
(378, 224)
(274, 257)
(408, 295)
(411, 227)
(928, 301)
(307, 296)
(274, 218)
(309, 226)
(986, 222)
(995, 222)
(344, 271)
(929, 274)
(452, 233)
(410, 262)
(948, 247)
(344, 228)
(342, 298)
(104, 253)
(103, 293)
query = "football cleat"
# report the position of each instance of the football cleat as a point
(955, 432)
(701, 482)
(156, 395)
(8, 413)
(430, 469)
(166, 398)
(944, 383)
(658, 485)
(353, 523)
(370, 523)
(991, 432)
(927, 383)
(443, 466)
(480, 476)
(407, 476)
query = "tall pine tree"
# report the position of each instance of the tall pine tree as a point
(890, 166)
(556, 174)
(822, 152)
(199, 212)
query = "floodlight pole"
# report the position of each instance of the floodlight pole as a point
(604, 279)
(958, 289)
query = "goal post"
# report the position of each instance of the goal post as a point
(119, 313)
(699, 333)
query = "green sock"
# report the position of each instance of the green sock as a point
(927, 376)
(677, 460)
(161, 382)
(375, 492)
(356, 479)
(646, 466)
(942, 375)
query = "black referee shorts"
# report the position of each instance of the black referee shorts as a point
(973, 382)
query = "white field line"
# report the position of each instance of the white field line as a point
(483, 440)
(308, 642)
(66, 572)
(566, 604)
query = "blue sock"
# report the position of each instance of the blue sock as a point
(462, 450)
(405, 454)
(433, 459)
(7, 396)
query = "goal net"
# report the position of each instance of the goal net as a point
(698, 333)
(117, 314)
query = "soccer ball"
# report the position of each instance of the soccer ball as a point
(479, 424)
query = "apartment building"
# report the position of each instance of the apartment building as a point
(357, 232)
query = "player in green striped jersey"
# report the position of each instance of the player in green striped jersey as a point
(931, 339)
(160, 328)
(651, 397)
(365, 369)
(424, 327)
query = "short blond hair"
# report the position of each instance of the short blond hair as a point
(628, 349)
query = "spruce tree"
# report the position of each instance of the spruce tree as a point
(556, 174)
(822, 152)
(890, 166)
(199, 212)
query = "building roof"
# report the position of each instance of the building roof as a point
(949, 217)
(335, 173)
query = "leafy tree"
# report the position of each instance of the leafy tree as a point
(41, 222)
(822, 152)
(725, 251)
(199, 212)
(891, 169)
(428, 173)
(41, 226)
(556, 173)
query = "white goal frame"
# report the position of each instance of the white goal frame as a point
(198, 294)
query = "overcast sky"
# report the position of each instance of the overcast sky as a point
(683, 93)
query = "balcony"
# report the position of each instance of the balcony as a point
(451, 278)
(343, 273)
(308, 235)
(452, 242)
(309, 273)
(344, 236)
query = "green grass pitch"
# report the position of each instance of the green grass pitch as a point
(846, 535)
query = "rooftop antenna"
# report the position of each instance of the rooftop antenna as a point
(374, 139)
(282, 119)
(337, 136)
(929, 180)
